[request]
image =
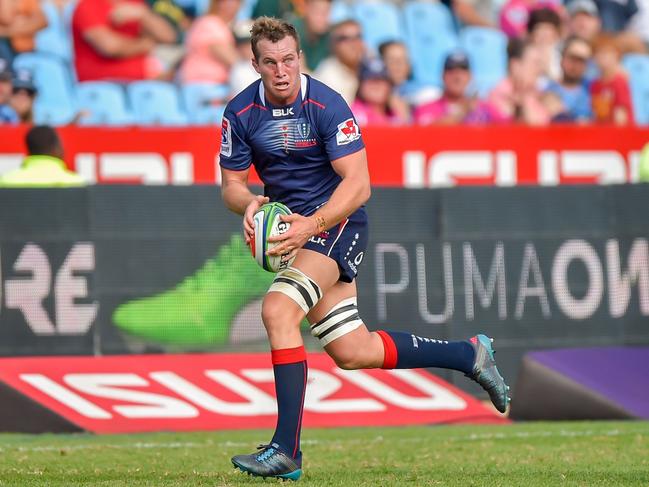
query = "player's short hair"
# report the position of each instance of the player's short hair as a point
(42, 140)
(273, 30)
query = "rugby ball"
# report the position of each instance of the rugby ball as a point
(267, 224)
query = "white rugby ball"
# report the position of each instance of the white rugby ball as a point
(267, 224)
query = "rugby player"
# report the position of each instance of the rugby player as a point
(307, 149)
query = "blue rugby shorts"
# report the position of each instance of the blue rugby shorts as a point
(345, 243)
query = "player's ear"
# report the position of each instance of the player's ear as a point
(255, 65)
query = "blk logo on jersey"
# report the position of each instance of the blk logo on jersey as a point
(226, 138)
(282, 112)
(348, 132)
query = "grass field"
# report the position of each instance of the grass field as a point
(533, 454)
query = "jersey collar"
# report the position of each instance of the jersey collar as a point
(304, 83)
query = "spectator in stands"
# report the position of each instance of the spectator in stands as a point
(584, 21)
(480, 13)
(210, 46)
(455, 106)
(173, 14)
(573, 89)
(515, 15)
(7, 114)
(313, 30)
(171, 54)
(280, 9)
(544, 32)
(23, 95)
(616, 14)
(590, 17)
(395, 57)
(242, 72)
(114, 39)
(639, 25)
(375, 104)
(557, 111)
(20, 20)
(44, 166)
(340, 70)
(610, 93)
(517, 98)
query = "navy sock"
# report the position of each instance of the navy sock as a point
(408, 351)
(290, 369)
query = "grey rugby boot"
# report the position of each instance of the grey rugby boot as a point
(486, 373)
(269, 461)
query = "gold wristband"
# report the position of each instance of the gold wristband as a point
(320, 222)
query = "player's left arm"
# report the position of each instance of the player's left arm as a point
(352, 192)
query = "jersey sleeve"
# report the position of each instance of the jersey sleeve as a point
(235, 152)
(339, 130)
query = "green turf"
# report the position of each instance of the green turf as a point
(553, 454)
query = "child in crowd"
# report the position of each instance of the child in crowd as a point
(610, 93)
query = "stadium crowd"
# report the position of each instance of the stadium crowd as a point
(457, 62)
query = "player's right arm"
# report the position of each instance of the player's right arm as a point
(238, 197)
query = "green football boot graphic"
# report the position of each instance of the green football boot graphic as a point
(200, 310)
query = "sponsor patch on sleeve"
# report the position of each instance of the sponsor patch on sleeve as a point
(348, 132)
(226, 138)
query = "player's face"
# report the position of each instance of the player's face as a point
(279, 67)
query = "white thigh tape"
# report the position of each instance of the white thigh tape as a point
(297, 286)
(340, 320)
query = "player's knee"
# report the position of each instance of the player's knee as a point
(277, 313)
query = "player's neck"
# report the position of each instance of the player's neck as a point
(283, 102)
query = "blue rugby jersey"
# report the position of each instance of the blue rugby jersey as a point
(290, 146)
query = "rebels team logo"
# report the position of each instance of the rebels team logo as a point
(226, 138)
(304, 130)
(348, 132)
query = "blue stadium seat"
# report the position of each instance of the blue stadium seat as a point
(105, 103)
(487, 51)
(53, 80)
(205, 102)
(245, 11)
(637, 66)
(428, 53)
(156, 103)
(56, 38)
(422, 18)
(380, 22)
(48, 115)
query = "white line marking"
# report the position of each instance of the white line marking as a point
(378, 439)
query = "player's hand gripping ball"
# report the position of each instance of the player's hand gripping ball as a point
(267, 224)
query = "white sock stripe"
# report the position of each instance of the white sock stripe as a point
(291, 292)
(321, 327)
(311, 286)
(343, 330)
(297, 286)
